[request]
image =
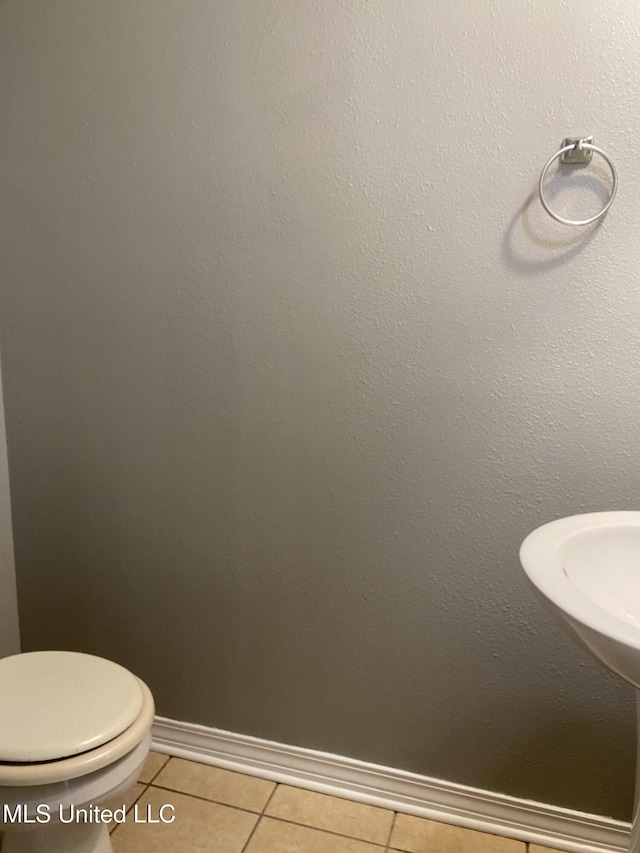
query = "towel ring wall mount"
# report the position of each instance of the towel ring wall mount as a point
(578, 151)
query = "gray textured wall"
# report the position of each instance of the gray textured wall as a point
(293, 362)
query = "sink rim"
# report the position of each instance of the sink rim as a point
(540, 555)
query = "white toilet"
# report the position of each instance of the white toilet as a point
(75, 730)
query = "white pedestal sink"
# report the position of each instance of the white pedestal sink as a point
(587, 567)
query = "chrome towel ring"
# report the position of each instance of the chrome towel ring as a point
(578, 151)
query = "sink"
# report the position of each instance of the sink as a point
(587, 567)
(587, 570)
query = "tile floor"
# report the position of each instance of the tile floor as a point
(217, 811)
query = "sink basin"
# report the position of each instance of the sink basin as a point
(587, 567)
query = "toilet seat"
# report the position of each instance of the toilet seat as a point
(56, 704)
(83, 763)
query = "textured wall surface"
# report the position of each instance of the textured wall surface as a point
(293, 360)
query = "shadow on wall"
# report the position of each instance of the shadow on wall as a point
(535, 243)
(580, 746)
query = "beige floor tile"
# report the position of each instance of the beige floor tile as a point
(274, 836)
(213, 783)
(321, 811)
(155, 762)
(417, 835)
(199, 827)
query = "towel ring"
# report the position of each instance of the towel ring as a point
(578, 146)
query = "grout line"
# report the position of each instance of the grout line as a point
(269, 798)
(381, 847)
(158, 771)
(206, 799)
(393, 824)
(143, 791)
(251, 834)
(260, 816)
(131, 805)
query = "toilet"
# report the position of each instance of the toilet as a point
(75, 730)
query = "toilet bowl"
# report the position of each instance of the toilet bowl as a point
(75, 730)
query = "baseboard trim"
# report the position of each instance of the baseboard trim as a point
(397, 790)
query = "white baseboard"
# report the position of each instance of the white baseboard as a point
(397, 790)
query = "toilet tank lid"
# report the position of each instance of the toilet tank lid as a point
(55, 704)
